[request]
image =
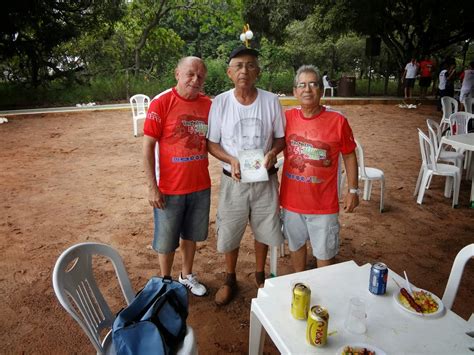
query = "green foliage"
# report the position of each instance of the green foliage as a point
(80, 51)
(217, 80)
(31, 33)
(280, 82)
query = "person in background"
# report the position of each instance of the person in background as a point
(176, 122)
(409, 76)
(450, 63)
(426, 68)
(442, 81)
(245, 118)
(315, 137)
(467, 84)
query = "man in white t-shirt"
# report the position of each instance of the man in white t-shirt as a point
(409, 76)
(240, 119)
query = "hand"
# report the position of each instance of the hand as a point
(269, 160)
(156, 198)
(351, 201)
(235, 169)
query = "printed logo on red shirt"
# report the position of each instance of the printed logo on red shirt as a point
(193, 129)
(302, 151)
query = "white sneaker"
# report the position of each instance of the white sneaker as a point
(192, 283)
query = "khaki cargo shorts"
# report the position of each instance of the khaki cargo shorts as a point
(240, 203)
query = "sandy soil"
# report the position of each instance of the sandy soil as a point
(69, 178)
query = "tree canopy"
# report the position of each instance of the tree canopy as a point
(31, 31)
(408, 28)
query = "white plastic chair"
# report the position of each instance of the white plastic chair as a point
(467, 103)
(368, 175)
(77, 291)
(442, 155)
(464, 255)
(327, 86)
(459, 123)
(139, 105)
(430, 167)
(449, 106)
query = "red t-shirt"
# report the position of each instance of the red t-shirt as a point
(309, 179)
(180, 127)
(425, 68)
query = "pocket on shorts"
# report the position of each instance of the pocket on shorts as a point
(332, 240)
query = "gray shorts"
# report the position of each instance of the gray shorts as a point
(240, 203)
(321, 229)
(185, 216)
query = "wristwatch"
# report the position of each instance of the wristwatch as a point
(354, 191)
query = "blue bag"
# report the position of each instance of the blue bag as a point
(155, 322)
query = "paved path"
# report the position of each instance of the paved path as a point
(285, 101)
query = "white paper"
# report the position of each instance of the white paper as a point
(251, 166)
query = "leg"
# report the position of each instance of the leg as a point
(166, 262)
(231, 261)
(194, 228)
(166, 233)
(188, 249)
(227, 291)
(261, 251)
(322, 263)
(298, 259)
(265, 223)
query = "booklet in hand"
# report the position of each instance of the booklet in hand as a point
(251, 166)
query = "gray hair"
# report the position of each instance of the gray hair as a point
(186, 60)
(309, 69)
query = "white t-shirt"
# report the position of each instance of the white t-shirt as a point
(241, 127)
(442, 79)
(411, 70)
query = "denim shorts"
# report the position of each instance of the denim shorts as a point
(184, 216)
(321, 229)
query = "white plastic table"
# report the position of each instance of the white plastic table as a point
(466, 142)
(389, 327)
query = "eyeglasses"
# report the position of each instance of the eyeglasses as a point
(311, 84)
(249, 66)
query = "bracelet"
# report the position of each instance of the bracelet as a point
(354, 191)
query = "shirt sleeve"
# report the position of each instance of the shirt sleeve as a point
(348, 143)
(153, 126)
(214, 122)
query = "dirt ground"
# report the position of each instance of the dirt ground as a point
(75, 177)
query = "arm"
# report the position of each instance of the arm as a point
(217, 151)
(351, 200)
(155, 198)
(271, 156)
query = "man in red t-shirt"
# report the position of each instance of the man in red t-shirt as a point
(426, 69)
(315, 136)
(178, 176)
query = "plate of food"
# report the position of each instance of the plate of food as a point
(422, 303)
(360, 349)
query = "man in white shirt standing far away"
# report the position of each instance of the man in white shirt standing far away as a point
(409, 76)
(239, 116)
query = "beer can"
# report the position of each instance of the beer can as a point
(378, 278)
(317, 326)
(301, 296)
